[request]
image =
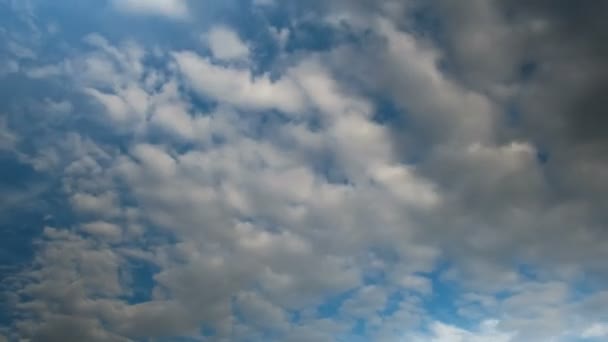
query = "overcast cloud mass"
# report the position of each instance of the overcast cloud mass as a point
(283, 170)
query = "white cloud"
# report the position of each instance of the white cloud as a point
(103, 230)
(239, 87)
(7, 138)
(127, 105)
(177, 9)
(60, 107)
(596, 330)
(114, 105)
(366, 303)
(264, 2)
(487, 332)
(10, 67)
(248, 210)
(45, 71)
(407, 68)
(103, 204)
(260, 313)
(20, 51)
(225, 44)
(417, 283)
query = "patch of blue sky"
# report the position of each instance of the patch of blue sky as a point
(442, 305)
(27, 197)
(400, 125)
(77, 19)
(360, 328)
(141, 281)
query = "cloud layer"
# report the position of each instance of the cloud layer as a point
(169, 8)
(288, 171)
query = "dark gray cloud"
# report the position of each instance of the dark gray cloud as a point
(506, 99)
(548, 61)
(558, 72)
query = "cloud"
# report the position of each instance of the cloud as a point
(487, 332)
(203, 199)
(264, 2)
(176, 9)
(44, 71)
(258, 312)
(366, 303)
(596, 330)
(433, 176)
(103, 230)
(238, 87)
(102, 204)
(7, 138)
(225, 44)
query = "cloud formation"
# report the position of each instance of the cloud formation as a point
(225, 44)
(177, 9)
(357, 170)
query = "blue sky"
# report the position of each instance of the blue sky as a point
(266, 170)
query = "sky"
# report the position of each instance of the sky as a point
(283, 170)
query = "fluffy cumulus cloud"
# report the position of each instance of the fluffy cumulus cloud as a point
(303, 171)
(225, 44)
